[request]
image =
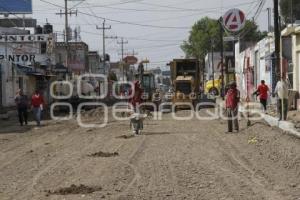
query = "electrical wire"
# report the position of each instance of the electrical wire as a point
(118, 21)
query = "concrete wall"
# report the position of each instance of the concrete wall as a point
(296, 59)
(253, 65)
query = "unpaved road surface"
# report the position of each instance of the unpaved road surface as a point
(171, 160)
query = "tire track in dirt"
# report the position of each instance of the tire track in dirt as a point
(212, 140)
(234, 157)
(131, 159)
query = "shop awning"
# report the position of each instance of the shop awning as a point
(59, 68)
(24, 69)
(30, 71)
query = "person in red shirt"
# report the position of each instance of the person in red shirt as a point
(37, 104)
(231, 103)
(137, 95)
(262, 92)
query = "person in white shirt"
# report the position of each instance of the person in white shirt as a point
(282, 92)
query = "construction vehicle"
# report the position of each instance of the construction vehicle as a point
(214, 87)
(148, 85)
(185, 75)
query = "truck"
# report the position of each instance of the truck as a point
(185, 76)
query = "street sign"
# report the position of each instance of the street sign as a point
(234, 20)
(146, 61)
(230, 39)
(131, 60)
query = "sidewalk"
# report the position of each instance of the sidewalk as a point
(291, 126)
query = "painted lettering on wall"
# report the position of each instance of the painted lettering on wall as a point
(18, 58)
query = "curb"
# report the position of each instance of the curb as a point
(286, 126)
(289, 127)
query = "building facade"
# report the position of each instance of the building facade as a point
(78, 56)
(94, 62)
(26, 62)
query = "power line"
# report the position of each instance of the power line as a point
(136, 38)
(122, 42)
(121, 22)
(169, 10)
(103, 28)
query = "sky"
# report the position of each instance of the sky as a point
(154, 29)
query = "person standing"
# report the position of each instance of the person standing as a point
(37, 103)
(232, 101)
(157, 99)
(262, 92)
(282, 92)
(136, 94)
(22, 103)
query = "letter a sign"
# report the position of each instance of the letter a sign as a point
(234, 20)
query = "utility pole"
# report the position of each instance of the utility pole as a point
(212, 62)
(134, 53)
(222, 56)
(292, 13)
(122, 54)
(277, 37)
(66, 36)
(103, 28)
(269, 19)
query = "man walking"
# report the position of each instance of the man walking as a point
(37, 103)
(232, 100)
(282, 91)
(262, 92)
(22, 103)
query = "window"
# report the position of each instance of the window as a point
(43, 48)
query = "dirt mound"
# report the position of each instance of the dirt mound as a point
(125, 137)
(104, 154)
(73, 189)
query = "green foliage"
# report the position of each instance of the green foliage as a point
(201, 36)
(251, 32)
(207, 30)
(286, 11)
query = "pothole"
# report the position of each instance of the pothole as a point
(74, 189)
(104, 154)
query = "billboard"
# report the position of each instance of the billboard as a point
(15, 6)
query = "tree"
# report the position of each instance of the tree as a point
(251, 32)
(206, 32)
(290, 10)
(200, 39)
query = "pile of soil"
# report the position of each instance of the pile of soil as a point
(73, 189)
(125, 137)
(104, 154)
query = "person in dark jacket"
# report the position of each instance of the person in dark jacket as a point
(22, 104)
(232, 101)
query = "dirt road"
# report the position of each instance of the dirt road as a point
(171, 160)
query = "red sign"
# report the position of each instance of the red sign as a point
(131, 60)
(234, 20)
